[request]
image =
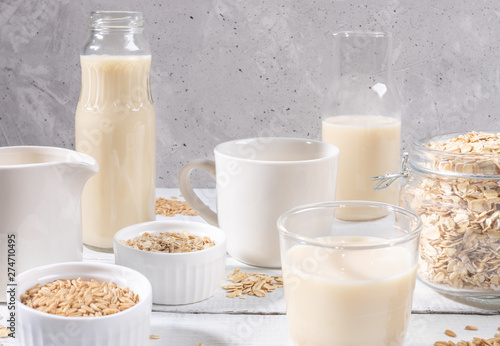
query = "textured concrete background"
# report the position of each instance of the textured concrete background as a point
(225, 69)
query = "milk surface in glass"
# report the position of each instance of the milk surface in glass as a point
(369, 146)
(344, 298)
(115, 123)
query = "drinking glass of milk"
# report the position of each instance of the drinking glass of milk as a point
(348, 282)
(362, 117)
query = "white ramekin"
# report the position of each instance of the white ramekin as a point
(128, 327)
(177, 278)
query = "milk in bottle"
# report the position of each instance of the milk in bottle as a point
(115, 123)
(362, 117)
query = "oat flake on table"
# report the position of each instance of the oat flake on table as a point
(253, 284)
(171, 207)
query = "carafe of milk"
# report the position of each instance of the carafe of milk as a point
(115, 123)
(362, 117)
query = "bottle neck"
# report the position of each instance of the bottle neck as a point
(116, 20)
(116, 33)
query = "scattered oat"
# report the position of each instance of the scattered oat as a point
(154, 336)
(79, 298)
(252, 284)
(169, 242)
(4, 332)
(460, 243)
(450, 333)
(495, 341)
(167, 207)
(471, 328)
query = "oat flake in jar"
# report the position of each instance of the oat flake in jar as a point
(115, 123)
(453, 183)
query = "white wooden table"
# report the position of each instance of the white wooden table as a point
(262, 321)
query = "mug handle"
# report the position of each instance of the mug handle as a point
(188, 193)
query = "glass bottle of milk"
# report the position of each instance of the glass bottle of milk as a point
(362, 117)
(115, 123)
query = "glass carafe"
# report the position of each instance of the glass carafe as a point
(362, 117)
(115, 123)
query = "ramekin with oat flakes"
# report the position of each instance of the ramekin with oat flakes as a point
(183, 260)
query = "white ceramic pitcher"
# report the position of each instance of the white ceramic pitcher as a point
(40, 207)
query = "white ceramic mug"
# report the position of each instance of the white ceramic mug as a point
(257, 179)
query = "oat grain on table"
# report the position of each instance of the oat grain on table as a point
(471, 328)
(4, 332)
(450, 333)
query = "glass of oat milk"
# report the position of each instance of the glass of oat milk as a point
(362, 117)
(348, 282)
(115, 123)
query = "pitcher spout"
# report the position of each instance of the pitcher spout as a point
(78, 167)
(68, 167)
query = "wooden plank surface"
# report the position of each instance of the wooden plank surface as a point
(262, 321)
(185, 329)
(223, 329)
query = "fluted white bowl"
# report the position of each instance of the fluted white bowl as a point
(177, 278)
(128, 327)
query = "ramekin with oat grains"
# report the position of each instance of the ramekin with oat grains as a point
(109, 305)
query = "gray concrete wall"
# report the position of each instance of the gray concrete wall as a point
(225, 69)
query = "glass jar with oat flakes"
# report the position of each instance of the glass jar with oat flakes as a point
(453, 183)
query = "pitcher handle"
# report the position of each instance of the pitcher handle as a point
(188, 193)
